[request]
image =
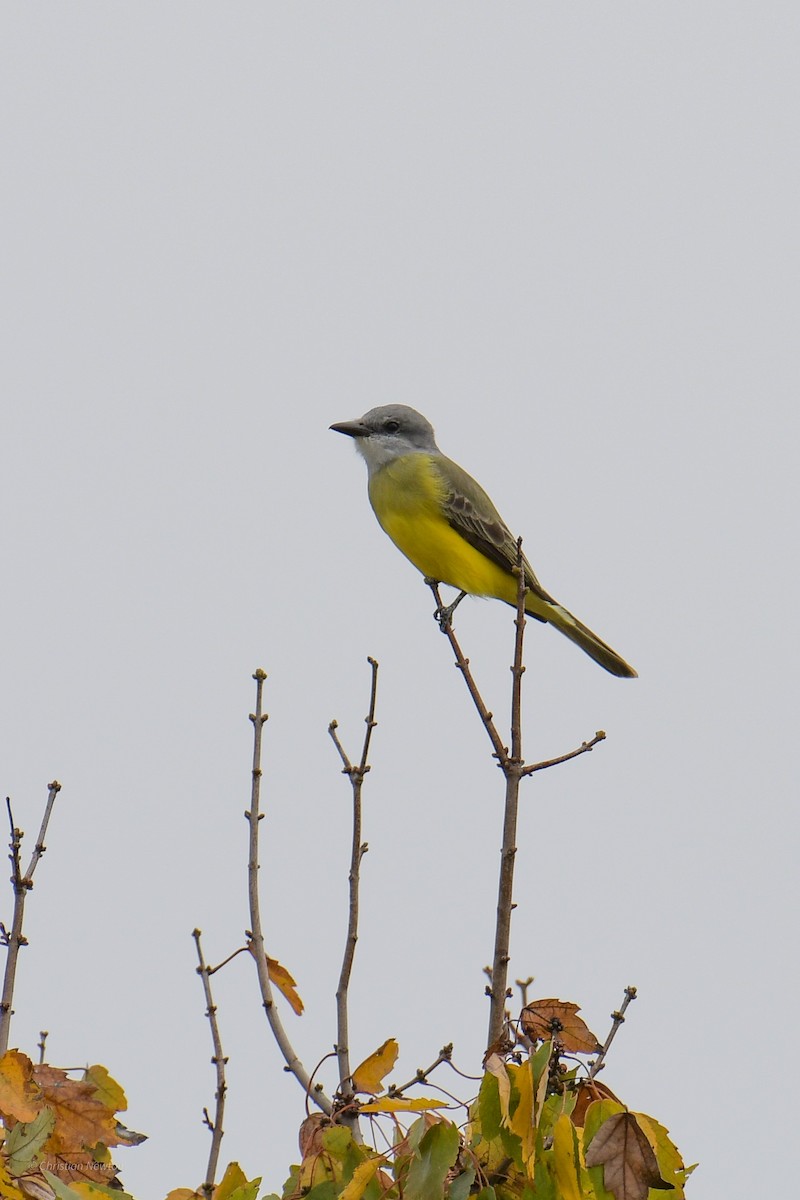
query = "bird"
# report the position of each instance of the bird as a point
(443, 521)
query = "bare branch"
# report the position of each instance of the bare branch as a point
(219, 1060)
(584, 748)
(21, 885)
(444, 1055)
(256, 937)
(40, 1045)
(356, 776)
(617, 1019)
(512, 769)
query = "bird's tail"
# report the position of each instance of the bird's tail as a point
(589, 642)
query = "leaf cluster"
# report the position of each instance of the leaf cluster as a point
(58, 1131)
(540, 1128)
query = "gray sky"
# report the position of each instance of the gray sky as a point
(568, 235)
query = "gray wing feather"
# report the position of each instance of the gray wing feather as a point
(471, 513)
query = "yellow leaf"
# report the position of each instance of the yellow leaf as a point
(285, 984)
(8, 1189)
(19, 1096)
(231, 1181)
(183, 1194)
(401, 1104)
(106, 1089)
(361, 1177)
(565, 1160)
(368, 1075)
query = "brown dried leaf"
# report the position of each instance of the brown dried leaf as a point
(81, 1118)
(20, 1098)
(77, 1168)
(368, 1074)
(557, 1019)
(630, 1167)
(311, 1131)
(285, 984)
(587, 1091)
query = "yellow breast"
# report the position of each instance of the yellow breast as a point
(407, 496)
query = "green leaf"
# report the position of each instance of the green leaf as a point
(669, 1158)
(337, 1141)
(24, 1142)
(64, 1192)
(437, 1152)
(247, 1191)
(489, 1107)
(416, 1133)
(545, 1188)
(460, 1187)
(323, 1191)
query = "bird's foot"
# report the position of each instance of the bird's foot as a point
(444, 613)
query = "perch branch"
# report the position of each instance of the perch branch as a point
(512, 767)
(617, 1018)
(255, 935)
(356, 776)
(21, 885)
(462, 664)
(219, 1060)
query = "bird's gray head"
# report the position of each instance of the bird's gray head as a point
(389, 432)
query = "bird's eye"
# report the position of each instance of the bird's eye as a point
(391, 426)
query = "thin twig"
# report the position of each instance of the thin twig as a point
(617, 1018)
(256, 936)
(444, 1055)
(21, 885)
(584, 748)
(356, 776)
(512, 767)
(462, 664)
(230, 958)
(40, 1045)
(523, 985)
(219, 1060)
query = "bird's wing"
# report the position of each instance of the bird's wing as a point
(471, 513)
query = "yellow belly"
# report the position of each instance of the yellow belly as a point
(406, 496)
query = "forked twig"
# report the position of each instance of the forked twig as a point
(219, 1060)
(255, 934)
(444, 1055)
(21, 884)
(617, 1019)
(355, 774)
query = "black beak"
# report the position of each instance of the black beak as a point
(354, 429)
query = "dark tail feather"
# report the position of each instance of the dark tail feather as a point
(589, 642)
